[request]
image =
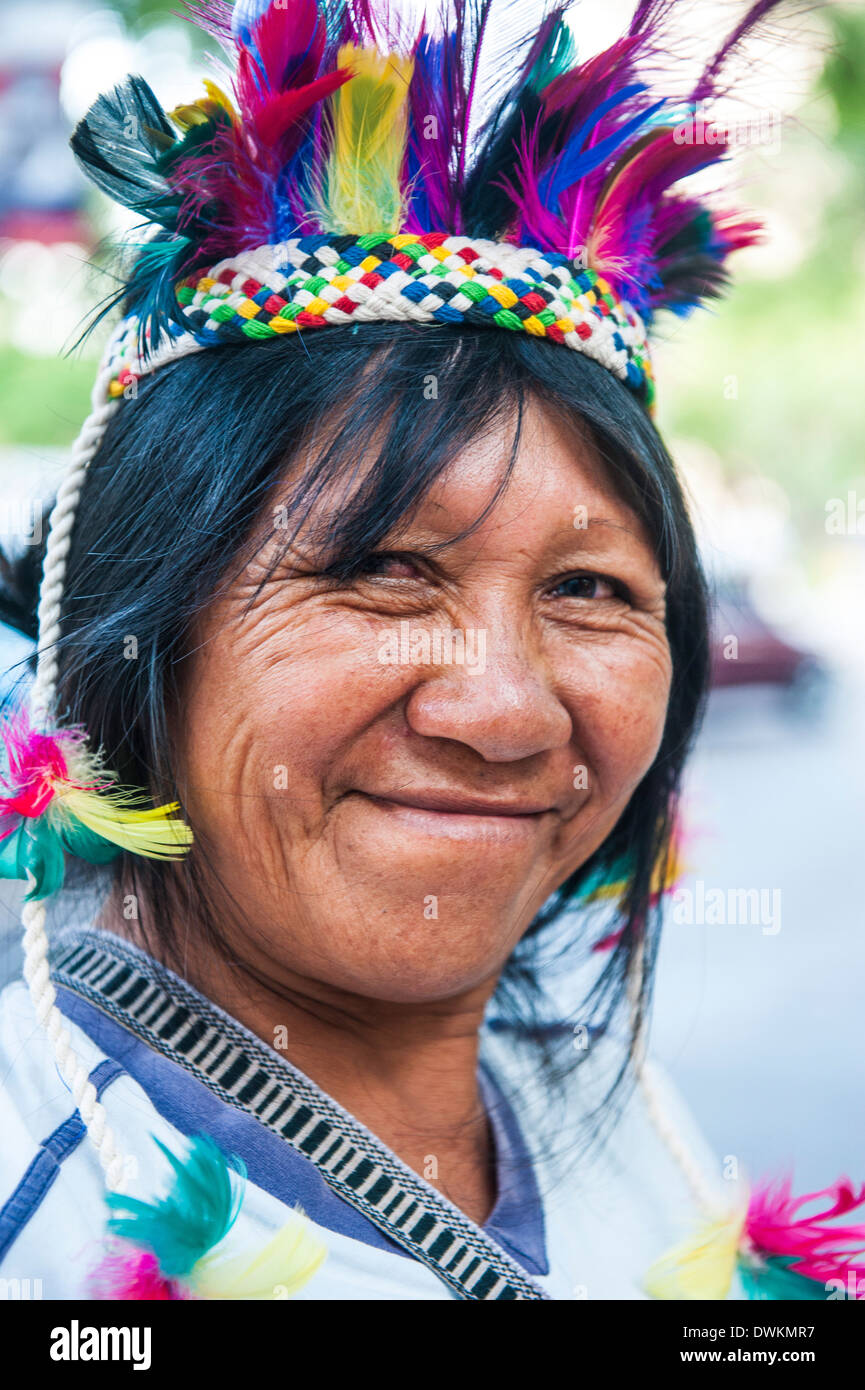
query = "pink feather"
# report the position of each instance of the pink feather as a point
(648, 171)
(126, 1273)
(775, 1226)
(34, 761)
(278, 78)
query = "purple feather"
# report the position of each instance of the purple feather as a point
(707, 86)
(573, 154)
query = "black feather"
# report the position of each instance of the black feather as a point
(119, 145)
(486, 204)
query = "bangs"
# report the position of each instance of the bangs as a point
(349, 472)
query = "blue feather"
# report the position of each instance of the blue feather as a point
(575, 163)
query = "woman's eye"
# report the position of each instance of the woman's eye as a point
(385, 566)
(587, 586)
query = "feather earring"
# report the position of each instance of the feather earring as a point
(57, 796)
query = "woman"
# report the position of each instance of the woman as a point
(407, 617)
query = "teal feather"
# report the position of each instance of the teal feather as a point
(36, 847)
(34, 850)
(197, 1213)
(84, 843)
(558, 54)
(774, 1278)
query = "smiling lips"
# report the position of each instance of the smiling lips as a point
(445, 803)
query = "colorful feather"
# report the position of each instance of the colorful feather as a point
(701, 1267)
(778, 1252)
(362, 190)
(57, 796)
(173, 1248)
(195, 1214)
(817, 1250)
(487, 208)
(279, 1270)
(608, 882)
(127, 1273)
(343, 120)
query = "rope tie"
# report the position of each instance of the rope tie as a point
(37, 972)
(650, 1085)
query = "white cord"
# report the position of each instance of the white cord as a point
(652, 1089)
(37, 972)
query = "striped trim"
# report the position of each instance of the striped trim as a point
(245, 1073)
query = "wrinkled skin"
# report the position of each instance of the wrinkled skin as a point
(386, 831)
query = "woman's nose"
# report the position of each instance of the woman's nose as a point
(502, 706)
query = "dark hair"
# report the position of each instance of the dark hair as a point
(174, 500)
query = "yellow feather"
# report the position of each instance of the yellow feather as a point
(201, 111)
(278, 1271)
(218, 97)
(701, 1267)
(125, 819)
(362, 190)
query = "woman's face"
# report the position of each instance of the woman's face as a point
(387, 817)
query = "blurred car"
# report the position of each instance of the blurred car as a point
(746, 650)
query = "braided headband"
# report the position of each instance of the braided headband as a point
(310, 282)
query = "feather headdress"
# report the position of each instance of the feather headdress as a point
(339, 130)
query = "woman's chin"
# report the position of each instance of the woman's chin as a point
(414, 979)
(394, 951)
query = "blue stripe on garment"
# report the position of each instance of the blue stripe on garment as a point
(31, 1190)
(517, 1219)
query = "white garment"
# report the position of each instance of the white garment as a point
(606, 1217)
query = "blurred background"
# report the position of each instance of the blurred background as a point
(760, 988)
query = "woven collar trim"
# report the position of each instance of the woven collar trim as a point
(167, 1014)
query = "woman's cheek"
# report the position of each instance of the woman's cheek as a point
(619, 709)
(272, 709)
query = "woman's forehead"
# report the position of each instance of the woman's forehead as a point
(524, 479)
(541, 476)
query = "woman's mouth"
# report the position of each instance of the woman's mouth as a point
(462, 817)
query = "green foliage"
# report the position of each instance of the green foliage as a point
(43, 400)
(843, 77)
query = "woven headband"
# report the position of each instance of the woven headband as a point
(310, 282)
(348, 177)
